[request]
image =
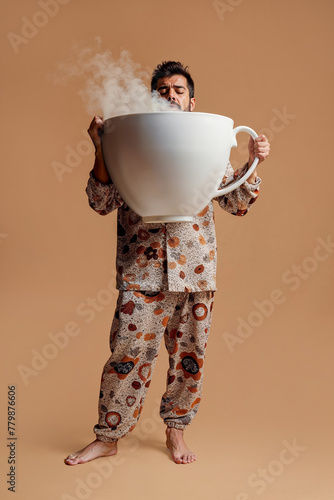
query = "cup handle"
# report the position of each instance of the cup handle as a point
(236, 184)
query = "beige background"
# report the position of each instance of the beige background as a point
(251, 60)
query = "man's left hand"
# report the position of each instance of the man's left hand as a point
(258, 148)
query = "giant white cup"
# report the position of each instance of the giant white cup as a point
(167, 166)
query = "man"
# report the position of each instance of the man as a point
(166, 281)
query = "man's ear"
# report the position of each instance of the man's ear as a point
(192, 103)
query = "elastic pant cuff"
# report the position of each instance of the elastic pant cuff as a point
(176, 425)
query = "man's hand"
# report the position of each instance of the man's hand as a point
(258, 148)
(95, 129)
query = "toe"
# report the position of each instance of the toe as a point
(70, 461)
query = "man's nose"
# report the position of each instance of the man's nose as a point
(171, 95)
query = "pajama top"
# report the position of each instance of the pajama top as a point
(175, 256)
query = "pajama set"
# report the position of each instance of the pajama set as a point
(166, 277)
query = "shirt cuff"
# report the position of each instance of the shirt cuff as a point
(249, 187)
(98, 183)
(252, 186)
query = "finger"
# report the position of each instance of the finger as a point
(96, 126)
(261, 156)
(95, 120)
(262, 145)
(262, 149)
(261, 137)
(100, 126)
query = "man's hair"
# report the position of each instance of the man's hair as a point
(170, 68)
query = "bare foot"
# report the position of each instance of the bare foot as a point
(178, 448)
(94, 450)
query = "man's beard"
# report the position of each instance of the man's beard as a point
(174, 104)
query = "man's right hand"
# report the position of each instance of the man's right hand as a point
(95, 130)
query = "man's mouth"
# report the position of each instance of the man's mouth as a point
(175, 105)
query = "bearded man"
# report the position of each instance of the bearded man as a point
(166, 281)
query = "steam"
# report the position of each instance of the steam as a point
(111, 86)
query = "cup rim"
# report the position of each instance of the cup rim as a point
(169, 112)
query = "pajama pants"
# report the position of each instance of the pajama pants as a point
(141, 320)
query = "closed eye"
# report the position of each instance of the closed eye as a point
(164, 90)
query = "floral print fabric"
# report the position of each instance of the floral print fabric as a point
(178, 256)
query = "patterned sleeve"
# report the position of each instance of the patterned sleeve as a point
(103, 198)
(239, 201)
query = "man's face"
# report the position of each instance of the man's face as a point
(174, 88)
